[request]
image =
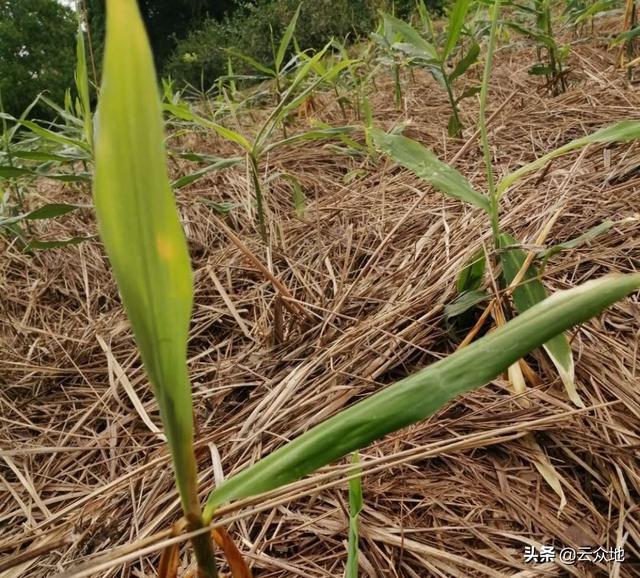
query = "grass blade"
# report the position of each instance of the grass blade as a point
(421, 394)
(355, 507)
(623, 131)
(286, 38)
(413, 156)
(456, 21)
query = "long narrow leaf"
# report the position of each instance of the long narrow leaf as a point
(410, 35)
(530, 292)
(82, 84)
(286, 38)
(223, 131)
(624, 131)
(456, 21)
(253, 63)
(55, 137)
(9, 172)
(464, 63)
(420, 395)
(215, 166)
(413, 156)
(355, 507)
(141, 232)
(311, 135)
(587, 236)
(45, 245)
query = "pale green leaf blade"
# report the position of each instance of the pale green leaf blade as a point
(286, 38)
(530, 292)
(223, 131)
(413, 156)
(624, 131)
(55, 137)
(420, 47)
(82, 85)
(139, 226)
(421, 394)
(456, 21)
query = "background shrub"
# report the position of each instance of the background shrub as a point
(200, 58)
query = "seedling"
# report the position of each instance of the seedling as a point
(255, 147)
(436, 57)
(535, 20)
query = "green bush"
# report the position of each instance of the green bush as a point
(200, 58)
(37, 52)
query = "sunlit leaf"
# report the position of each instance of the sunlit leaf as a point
(139, 226)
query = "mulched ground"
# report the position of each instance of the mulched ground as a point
(85, 476)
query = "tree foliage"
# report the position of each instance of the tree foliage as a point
(37, 52)
(166, 21)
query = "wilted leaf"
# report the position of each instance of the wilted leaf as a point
(235, 559)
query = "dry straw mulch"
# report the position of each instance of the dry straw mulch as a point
(83, 474)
